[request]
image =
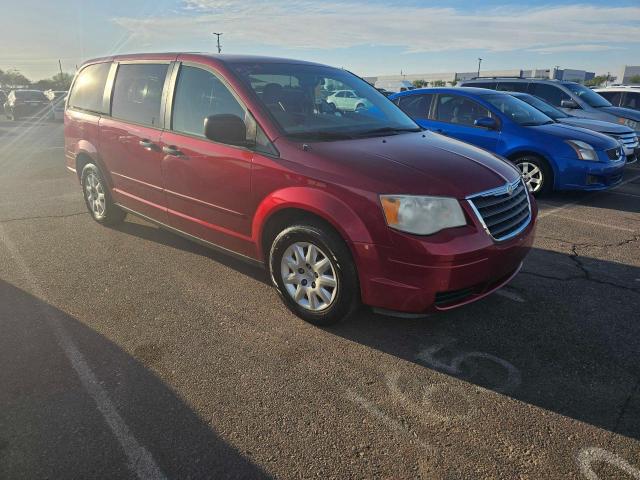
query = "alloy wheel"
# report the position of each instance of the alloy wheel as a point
(309, 276)
(532, 175)
(95, 195)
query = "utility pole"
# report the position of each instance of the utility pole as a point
(60, 65)
(218, 35)
(479, 63)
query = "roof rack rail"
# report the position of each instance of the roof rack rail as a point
(494, 77)
(499, 77)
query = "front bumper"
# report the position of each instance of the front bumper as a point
(444, 271)
(574, 174)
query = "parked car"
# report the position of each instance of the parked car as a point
(550, 156)
(571, 97)
(3, 99)
(626, 96)
(395, 86)
(624, 135)
(57, 99)
(26, 103)
(347, 100)
(341, 207)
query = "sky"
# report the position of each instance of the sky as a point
(368, 37)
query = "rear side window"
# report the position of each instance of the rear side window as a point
(416, 106)
(631, 100)
(460, 110)
(199, 93)
(550, 93)
(88, 88)
(137, 93)
(489, 85)
(512, 87)
(613, 97)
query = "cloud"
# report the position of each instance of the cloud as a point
(304, 24)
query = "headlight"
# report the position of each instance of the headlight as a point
(629, 123)
(422, 215)
(583, 150)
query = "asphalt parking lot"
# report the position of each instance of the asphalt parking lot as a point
(129, 352)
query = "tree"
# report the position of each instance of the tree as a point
(596, 81)
(438, 83)
(420, 83)
(634, 80)
(13, 79)
(60, 81)
(454, 83)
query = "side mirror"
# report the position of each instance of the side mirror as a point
(569, 104)
(486, 122)
(226, 128)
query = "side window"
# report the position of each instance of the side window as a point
(200, 93)
(613, 97)
(512, 87)
(137, 93)
(489, 85)
(631, 100)
(88, 88)
(550, 93)
(460, 110)
(416, 106)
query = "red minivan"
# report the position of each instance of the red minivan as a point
(262, 158)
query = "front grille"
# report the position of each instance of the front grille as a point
(629, 140)
(505, 211)
(614, 153)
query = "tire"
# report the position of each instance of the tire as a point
(94, 188)
(333, 263)
(535, 168)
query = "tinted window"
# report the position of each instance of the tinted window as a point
(489, 85)
(416, 106)
(550, 93)
(632, 100)
(31, 95)
(517, 110)
(512, 86)
(613, 97)
(455, 109)
(587, 95)
(88, 88)
(200, 93)
(137, 93)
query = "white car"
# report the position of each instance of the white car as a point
(627, 96)
(347, 100)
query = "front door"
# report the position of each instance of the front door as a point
(130, 139)
(207, 184)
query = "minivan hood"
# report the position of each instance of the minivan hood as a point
(568, 132)
(423, 163)
(596, 125)
(622, 112)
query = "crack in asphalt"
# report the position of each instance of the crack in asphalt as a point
(43, 217)
(625, 406)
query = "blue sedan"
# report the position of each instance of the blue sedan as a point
(551, 156)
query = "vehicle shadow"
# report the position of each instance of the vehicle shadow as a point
(558, 339)
(147, 231)
(51, 427)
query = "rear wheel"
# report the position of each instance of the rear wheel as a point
(312, 269)
(536, 174)
(97, 197)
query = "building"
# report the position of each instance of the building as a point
(451, 78)
(630, 71)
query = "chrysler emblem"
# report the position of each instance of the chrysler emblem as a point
(509, 189)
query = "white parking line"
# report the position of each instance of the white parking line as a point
(140, 459)
(570, 204)
(510, 295)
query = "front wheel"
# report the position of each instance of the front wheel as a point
(313, 271)
(536, 174)
(98, 199)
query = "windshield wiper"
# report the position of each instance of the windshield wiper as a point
(319, 136)
(387, 131)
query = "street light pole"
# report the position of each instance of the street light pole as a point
(479, 63)
(218, 35)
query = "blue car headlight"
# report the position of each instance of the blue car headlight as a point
(583, 150)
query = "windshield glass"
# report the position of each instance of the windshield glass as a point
(323, 103)
(546, 108)
(30, 95)
(517, 110)
(587, 95)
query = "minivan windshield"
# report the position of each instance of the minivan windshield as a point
(520, 112)
(546, 108)
(314, 102)
(587, 95)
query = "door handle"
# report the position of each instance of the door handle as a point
(172, 150)
(146, 144)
